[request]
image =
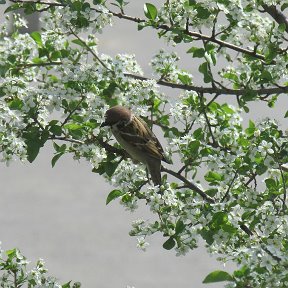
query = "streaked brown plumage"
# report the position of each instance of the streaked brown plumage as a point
(134, 135)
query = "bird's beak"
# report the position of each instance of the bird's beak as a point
(104, 124)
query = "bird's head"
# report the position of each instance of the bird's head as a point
(117, 115)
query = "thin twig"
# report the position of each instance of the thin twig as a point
(90, 50)
(63, 138)
(230, 186)
(284, 187)
(253, 177)
(42, 64)
(72, 111)
(191, 185)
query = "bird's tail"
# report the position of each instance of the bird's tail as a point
(154, 169)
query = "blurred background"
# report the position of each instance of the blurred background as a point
(60, 214)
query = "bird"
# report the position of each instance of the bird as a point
(135, 136)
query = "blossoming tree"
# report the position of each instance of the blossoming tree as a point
(238, 205)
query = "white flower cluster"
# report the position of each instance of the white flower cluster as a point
(71, 17)
(172, 211)
(127, 174)
(92, 153)
(14, 268)
(165, 66)
(12, 144)
(178, 12)
(137, 93)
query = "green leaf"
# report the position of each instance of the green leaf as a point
(110, 167)
(36, 36)
(197, 52)
(270, 183)
(190, 2)
(76, 285)
(207, 235)
(286, 114)
(58, 148)
(247, 215)
(203, 68)
(29, 7)
(113, 195)
(218, 276)
(15, 104)
(249, 95)
(66, 285)
(56, 130)
(169, 244)
(282, 27)
(212, 176)
(272, 52)
(220, 218)
(79, 42)
(180, 226)
(75, 130)
(120, 3)
(266, 75)
(284, 6)
(11, 253)
(150, 11)
(241, 272)
(53, 122)
(55, 55)
(231, 76)
(110, 90)
(3, 70)
(194, 147)
(203, 13)
(13, 7)
(72, 126)
(33, 148)
(98, 1)
(34, 139)
(55, 159)
(249, 8)
(261, 169)
(211, 192)
(185, 79)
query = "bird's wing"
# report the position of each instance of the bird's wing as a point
(141, 137)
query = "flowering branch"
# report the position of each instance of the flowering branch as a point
(164, 27)
(278, 16)
(215, 90)
(197, 35)
(205, 90)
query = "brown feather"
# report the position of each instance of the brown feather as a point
(143, 138)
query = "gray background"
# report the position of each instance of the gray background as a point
(60, 214)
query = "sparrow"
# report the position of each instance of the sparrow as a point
(134, 135)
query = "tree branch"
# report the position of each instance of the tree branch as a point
(214, 90)
(42, 64)
(189, 184)
(164, 27)
(277, 15)
(197, 35)
(111, 149)
(198, 89)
